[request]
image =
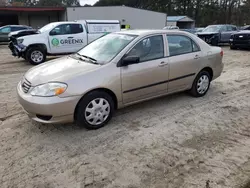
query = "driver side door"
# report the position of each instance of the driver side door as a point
(148, 78)
(67, 38)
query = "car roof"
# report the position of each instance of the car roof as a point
(142, 32)
(15, 26)
(221, 25)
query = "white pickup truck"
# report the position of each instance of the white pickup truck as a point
(60, 38)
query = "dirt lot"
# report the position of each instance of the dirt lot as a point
(175, 141)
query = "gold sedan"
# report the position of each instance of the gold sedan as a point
(115, 71)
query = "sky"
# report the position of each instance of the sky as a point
(90, 2)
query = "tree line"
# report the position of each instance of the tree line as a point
(204, 12)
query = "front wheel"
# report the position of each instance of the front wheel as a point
(94, 110)
(35, 55)
(201, 84)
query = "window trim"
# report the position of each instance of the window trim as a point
(145, 37)
(70, 26)
(192, 41)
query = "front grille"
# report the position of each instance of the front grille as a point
(25, 85)
(242, 36)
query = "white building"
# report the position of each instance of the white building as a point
(136, 18)
(39, 16)
(183, 22)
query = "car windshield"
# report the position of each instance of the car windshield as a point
(47, 27)
(107, 47)
(247, 27)
(212, 28)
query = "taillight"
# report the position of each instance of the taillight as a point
(221, 53)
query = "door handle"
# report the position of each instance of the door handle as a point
(70, 37)
(196, 57)
(163, 63)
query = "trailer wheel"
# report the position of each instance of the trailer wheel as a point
(35, 55)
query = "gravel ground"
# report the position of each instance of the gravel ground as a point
(174, 141)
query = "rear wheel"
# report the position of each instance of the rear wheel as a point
(201, 84)
(94, 110)
(35, 55)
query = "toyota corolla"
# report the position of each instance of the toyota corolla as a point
(115, 71)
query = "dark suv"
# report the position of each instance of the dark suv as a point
(5, 30)
(215, 34)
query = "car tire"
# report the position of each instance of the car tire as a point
(94, 110)
(35, 55)
(201, 84)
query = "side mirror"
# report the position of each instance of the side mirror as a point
(130, 60)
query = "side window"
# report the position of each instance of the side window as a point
(149, 49)
(223, 29)
(234, 28)
(61, 30)
(179, 44)
(66, 29)
(229, 28)
(76, 28)
(5, 30)
(195, 47)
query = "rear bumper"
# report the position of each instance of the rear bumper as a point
(218, 70)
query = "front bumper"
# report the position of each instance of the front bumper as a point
(240, 43)
(48, 109)
(17, 49)
(209, 38)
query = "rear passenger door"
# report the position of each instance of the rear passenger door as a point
(185, 57)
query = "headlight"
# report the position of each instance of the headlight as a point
(19, 41)
(49, 89)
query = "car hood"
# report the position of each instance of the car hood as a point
(243, 32)
(207, 33)
(23, 32)
(58, 70)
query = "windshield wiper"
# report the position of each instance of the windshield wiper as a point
(88, 58)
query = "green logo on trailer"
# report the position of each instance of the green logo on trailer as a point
(55, 42)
